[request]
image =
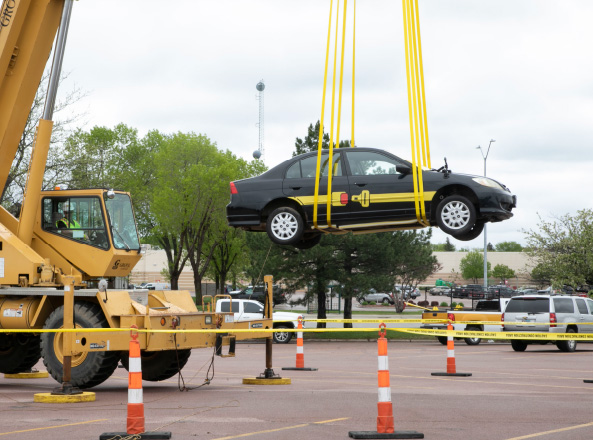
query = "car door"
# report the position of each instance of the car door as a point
(379, 193)
(585, 307)
(251, 311)
(299, 185)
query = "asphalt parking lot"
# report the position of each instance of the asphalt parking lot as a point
(538, 394)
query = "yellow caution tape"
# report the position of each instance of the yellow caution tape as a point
(498, 335)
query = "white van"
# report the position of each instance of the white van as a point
(158, 286)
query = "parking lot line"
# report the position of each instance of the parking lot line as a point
(267, 431)
(539, 434)
(52, 427)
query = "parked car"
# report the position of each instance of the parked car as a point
(550, 314)
(440, 290)
(373, 295)
(503, 292)
(258, 293)
(372, 190)
(248, 310)
(409, 291)
(157, 286)
(475, 291)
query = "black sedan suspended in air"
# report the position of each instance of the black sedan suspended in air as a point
(371, 191)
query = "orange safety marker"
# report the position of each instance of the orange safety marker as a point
(451, 369)
(300, 355)
(135, 419)
(385, 424)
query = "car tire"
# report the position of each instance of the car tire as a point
(442, 339)
(281, 337)
(285, 226)
(567, 346)
(472, 341)
(518, 345)
(473, 233)
(360, 300)
(456, 215)
(385, 301)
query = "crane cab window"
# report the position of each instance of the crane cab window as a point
(77, 218)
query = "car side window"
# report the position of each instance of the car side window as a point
(590, 304)
(305, 168)
(226, 306)
(582, 306)
(252, 308)
(563, 305)
(370, 163)
(294, 171)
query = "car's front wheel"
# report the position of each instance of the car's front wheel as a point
(456, 215)
(285, 226)
(473, 232)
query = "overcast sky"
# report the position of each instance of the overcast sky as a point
(517, 71)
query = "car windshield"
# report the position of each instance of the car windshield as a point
(528, 305)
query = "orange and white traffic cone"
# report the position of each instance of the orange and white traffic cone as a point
(300, 355)
(451, 369)
(384, 407)
(385, 424)
(135, 420)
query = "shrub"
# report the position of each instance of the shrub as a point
(372, 303)
(411, 302)
(444, 304)
(423, 303)
(453, 304)
(434, 304)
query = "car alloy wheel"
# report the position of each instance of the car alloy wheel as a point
(285, 226)
(456, 215)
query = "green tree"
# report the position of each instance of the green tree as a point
(509, 246)
(541, 276)
(472, 266)
(96, 158)
(311, 141)
(447, 246)
(563, 248)
(503, 272)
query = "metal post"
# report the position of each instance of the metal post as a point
(67, 338)
(485, 225)
(269, 283)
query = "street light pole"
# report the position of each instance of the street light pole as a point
(485, 156)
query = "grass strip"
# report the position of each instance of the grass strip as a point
(391, 335)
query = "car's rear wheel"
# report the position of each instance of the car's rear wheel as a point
(281, 337)
(473, 341)
(518, 345)
(456, 215)
(285, 226)
(567, 346)
(442, 339)
(385, 301)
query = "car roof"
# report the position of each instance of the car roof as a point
(278, 170)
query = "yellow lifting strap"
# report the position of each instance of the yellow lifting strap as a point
(321, 127)
(416, 104)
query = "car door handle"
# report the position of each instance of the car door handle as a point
(296, 188)
(360, 184)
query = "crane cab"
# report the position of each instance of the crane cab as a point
(92, 231)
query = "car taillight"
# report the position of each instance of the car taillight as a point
(234, 188)
(553, 320)
(451, 317)
(502, 319)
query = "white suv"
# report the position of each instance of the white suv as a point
(548, 313)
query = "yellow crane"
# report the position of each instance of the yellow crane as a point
(64, 241)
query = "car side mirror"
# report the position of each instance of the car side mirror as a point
(403, 169)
